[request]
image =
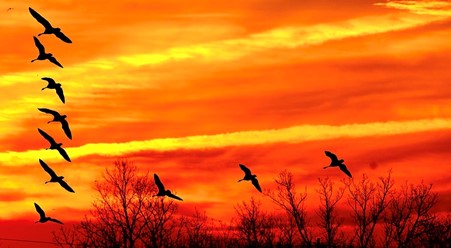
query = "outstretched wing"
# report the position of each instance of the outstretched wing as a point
(65, 126)
(56, 221)
(158, 183)
(54, 61)
(245, 169)
(39, 18)
(63, 153)
(49, 80)
(175, 197)
(66, 186)
(46, 136)
(345, 170)
(47, 169)
(49, 111)
(255, 183)
(39, 210)
(62, 37)
(60, 93)
(38, 44)
(332, 156)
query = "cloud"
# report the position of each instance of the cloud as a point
(436, 8)
(294, 134)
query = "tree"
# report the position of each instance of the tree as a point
(125, 213)
(407, 211)
(254, 226)
(327, 211)
(286, 197)
(367, 202)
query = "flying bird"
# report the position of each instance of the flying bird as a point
(249, 177)
(335, 162)
(9, 9)
(51, 84)
(54, 145)
(162, 191)
(58, 118)
(54, 178)
(48, 27)
(42, 216)
(42, 55)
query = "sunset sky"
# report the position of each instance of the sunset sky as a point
(190, 89)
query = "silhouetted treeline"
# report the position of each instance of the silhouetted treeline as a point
(126, 214)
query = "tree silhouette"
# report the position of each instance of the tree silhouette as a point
(286, 197)
(327, 211)
(368, 201)
(125, 213)
(408, 210)
(254, 226)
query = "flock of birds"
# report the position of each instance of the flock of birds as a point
(57, 117)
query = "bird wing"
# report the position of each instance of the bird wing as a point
(49, 80)
(65, 126)
(158, 183)
(38, 44)
(39, 210)
(60, 93)
(47, 169)
(63, 153)
(39, 18)
(66, 186)
(255, 183)
(345, 170)
(332, 156)
(46, 136)
(175, 197)
(54, 61)
(55, 220)
(245, 169)
(49, 111)
(63, 37)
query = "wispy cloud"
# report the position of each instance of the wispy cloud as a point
(436, 8)
(294, 134)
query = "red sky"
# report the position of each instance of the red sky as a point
(190, 89)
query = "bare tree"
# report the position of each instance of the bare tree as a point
(254, 226)
(368, 201)
(124, 214)
(408, 209)
(328, 210)
(437, 232)
(286, 197)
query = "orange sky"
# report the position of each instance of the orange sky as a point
(190, 89)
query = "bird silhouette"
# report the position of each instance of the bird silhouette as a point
(162, 191)
(249, 177)
(58, 118)
(42, 216)
(42, 55)
(48, 27)
(51, 84)
(335, 162)
(54, 145)
(54, 178)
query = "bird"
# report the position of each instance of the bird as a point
(54, 145)
(42, 55)
(58, 118)
(54, 178)
(9, 9)
(56, 86)
(249, 177)
(42, 216)
(48, 27)
(335, 162)
(162, 191)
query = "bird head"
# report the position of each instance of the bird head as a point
(58, 29)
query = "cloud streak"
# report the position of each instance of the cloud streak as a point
(296, 134)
